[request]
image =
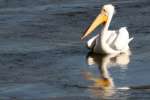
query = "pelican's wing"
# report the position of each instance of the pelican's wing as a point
(122, 39)
(91, 42)
(111, 37)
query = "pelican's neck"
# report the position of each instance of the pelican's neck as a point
(104, 36)
(105, 29)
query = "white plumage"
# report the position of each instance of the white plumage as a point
(108, 41)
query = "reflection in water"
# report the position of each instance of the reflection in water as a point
(104, 83)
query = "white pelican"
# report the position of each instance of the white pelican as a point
(108, 41)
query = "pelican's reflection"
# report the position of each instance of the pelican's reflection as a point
(105, 81)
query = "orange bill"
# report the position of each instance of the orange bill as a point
(100, 19)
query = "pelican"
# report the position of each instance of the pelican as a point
(108, 41)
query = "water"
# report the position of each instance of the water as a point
(42, 57)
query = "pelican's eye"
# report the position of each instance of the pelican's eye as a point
(104, 10)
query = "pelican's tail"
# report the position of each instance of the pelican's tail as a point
(131, 39)
(124, 30)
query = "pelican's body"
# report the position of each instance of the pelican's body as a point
(108, 41)
(117, 42)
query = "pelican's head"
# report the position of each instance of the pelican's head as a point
(108, 9)
(105, 14)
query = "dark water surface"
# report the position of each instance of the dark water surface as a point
(42, 57)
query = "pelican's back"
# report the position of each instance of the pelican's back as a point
(122, 39)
